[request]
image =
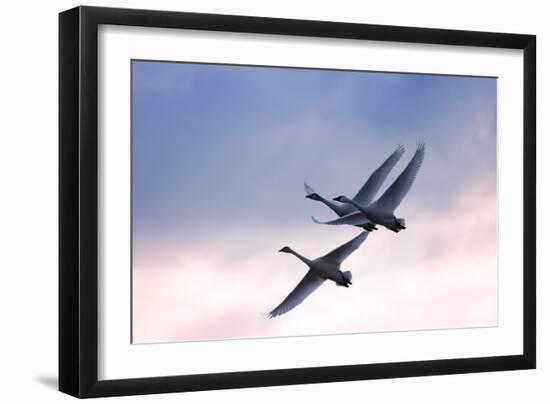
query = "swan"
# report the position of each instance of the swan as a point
(366, 193)
(382, 211)
(320, 269)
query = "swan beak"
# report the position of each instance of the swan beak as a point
(309, 196)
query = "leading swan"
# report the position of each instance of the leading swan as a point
(367, 192)
(382, 211)
(320, 269)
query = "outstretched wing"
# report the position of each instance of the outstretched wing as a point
(367, 193)
(354, 219)
(397, 191)
(338, 255)
(309, 283)
(308, 189)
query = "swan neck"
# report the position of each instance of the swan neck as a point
(335, 207)
(300, 257)
(357, 205)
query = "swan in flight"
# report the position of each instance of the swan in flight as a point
(382, 211)
(365, 195)
(320, 269)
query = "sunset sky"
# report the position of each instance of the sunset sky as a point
(220, 154)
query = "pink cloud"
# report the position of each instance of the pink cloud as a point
(439, 273)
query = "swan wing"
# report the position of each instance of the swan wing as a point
(309, 283)
(354, 219)
(369, 190)
(308, 189)
(397, 191)
(338, 255)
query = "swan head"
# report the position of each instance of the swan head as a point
(314, 196)
(285, 250)
(341, 198)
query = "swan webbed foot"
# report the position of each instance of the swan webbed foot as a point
(345, 283)
(371, 227)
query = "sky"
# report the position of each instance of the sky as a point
(219, 157)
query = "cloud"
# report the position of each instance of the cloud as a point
(439, 273)
(220, 155)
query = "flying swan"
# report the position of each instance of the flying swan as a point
(320, 269)
(365, 195)
(382, 211)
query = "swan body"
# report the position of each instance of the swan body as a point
(365, 195)
(321, 269)
(382, 211)
(381, 215)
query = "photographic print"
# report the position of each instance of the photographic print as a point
(282, 201)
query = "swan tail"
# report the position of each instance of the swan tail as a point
(400, 222)
(347, 275)
(347, 279)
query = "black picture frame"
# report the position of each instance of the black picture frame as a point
(78, 201)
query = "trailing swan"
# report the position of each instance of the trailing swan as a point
(367, 192)
(382, 211)
(320, 269)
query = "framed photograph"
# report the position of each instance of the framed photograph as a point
(250, 201)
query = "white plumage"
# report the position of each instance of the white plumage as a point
(367, 192)
(320, 269)
(359, 211)
(382, 211)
